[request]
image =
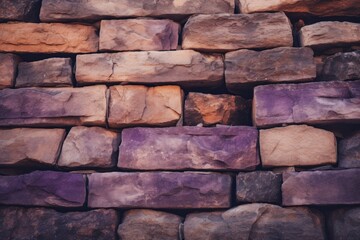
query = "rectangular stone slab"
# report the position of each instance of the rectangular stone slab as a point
(237, 31)
(48, 38)
(8, 68)
(183, 67)
(182, 148)
(321, 187)
(53, 106)
(43, 188)
(19, 10)
(177, 190)
(313, 103)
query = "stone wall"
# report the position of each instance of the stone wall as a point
(180, 119)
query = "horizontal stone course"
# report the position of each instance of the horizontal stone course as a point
(8, 69)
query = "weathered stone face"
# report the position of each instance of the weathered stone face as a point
(321, 187)
(344, 223)
(237, 31)
(318, 102)
(145, 106)
(42, 223)
(8, 69)
(19, 10)
(48, 38)
(90, 147)
(182, 148)
(53, 106)
(148, 225)
(349, 151)
(185, 68)
(159, 190)
(255, 221)
(43, 188)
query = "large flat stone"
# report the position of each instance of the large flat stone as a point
(159, 190)
(48, 38)
(19, 10)
(321, 187)
(8, 69)
(349, 151)
(297, 145)
(344, 223)
(246, 68)
(182, 148)
(145, 106)
(43, 188)
(313, 103)
(237, 31)
(41, 223)
(185, 68)
(53, 106)
(60, 10)
(255, 221)
(29, 146)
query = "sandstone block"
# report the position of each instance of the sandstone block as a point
(43, 188)
(8, 69)
(237, 31)
(349, 151)
(159, 190)
(53, 106)
(182, 148)
(47, 38)
(186, 68)
(344, 223)
(314, 103)
(145, 106)
(19, 10)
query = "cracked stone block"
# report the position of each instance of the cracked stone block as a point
(19, 10)
(8, 69)
(344, 223)
(349, 151)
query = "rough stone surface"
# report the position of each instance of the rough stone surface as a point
(349, 151)
(259, 186)
(344, 223)
(8, 69)
(139, 34)
(53, 106)
(90, 147)
(60, 10)
(321, 187)
(236, 31)
(41, 223)
(19, 10)
(209, 109)
(47, 38)
(323, 102)
(183, 67)
(248, 68)
(255, 221)
(145, 106)
(159, 190)
(48, 189)
(182, 148)
(28, 146)
(148, 225)
(297, 145)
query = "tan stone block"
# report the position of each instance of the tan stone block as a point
(8, 68)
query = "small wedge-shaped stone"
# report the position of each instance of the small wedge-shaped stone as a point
(248, 68)
(349, 151)
(181, 148)
(321, 187)
(324, 35)
(139, 34)
(148, 224)
(320, 102)
(255, 221)
(53, 106)
(145, 106)
(19, 10)
(27, 146)
(62, 10)
(47, 188)
(184, 68)
(297, 145)
(159, 190)
(41, 223)
(8, 69)
(344, 223)
(47, 38)
(237, 31)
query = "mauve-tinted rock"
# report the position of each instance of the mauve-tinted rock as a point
(19, 10)
(8, 69)
(148, 225)
(182, 148)
(53, 106)
(321, 187)
(344, 224)
(237, 31)
(41, 223)
(176, 190)
(256, 221)
(52, 72)
(43, 188)
(349, 151)
(313, 103)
